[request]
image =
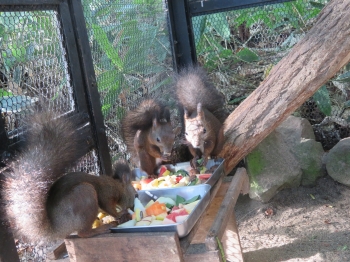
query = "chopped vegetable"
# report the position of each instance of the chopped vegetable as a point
(204, 176)
(155, 209)
(129, 223)
(162, 170)
(179, 200)
(166, 200)
(195, 198)
(189, 207)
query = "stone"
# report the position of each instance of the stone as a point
(288, 157)
(338, 162)
(271, 166)
(310, 153)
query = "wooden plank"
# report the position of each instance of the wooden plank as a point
(186, 241)
(145, 247)
(231, 242)
(208, 256)
(218, 228)
(210, 214)
(315, 59)
(57, 252)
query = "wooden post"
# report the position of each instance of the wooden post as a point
(323, 51)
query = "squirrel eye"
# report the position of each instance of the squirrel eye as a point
(186, 133)
(158, 140)
(204, 131)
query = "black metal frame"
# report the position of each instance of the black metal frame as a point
(181, 31)
(83, 78)
(87, 99)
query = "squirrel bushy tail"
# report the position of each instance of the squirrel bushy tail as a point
(51, 145)
(193, 87)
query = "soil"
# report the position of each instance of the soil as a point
(298, 224)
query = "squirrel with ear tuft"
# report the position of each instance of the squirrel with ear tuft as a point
(204, 113)
(45, 202)
(149, 135)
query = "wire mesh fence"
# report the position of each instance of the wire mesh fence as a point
(132, 58)
(34, 70)
(240, 47)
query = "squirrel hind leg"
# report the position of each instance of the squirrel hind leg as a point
(76, 211)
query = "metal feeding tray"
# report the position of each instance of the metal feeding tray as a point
(138, 173)
(182, 228)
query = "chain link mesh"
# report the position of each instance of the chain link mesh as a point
(240, 47)
(34, 71)
(132, 58)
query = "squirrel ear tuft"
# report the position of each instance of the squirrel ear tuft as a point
(186, 114)
(167, 114)
(155, 122)
(200, 111)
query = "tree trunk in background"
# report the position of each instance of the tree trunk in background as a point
(323, 51)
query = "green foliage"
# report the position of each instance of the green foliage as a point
(323, 100)
(128, 47)
(213, 31)
(5, 93)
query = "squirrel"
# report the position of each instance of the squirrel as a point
(42, 201)
(148, 135)
(204, 113)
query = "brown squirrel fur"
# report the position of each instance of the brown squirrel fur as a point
(43, 202)
(148, 134)
(204, 113)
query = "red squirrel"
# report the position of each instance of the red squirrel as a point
(43, 202)
(204, 113)
(149, 135)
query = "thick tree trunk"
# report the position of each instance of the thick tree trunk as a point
(323, 51)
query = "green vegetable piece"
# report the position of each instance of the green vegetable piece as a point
(195, 198)
(179, 200)
(200, 161)
(193, 182)
(181, 172)
(169, 205)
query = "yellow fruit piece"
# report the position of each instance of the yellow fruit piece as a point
(96, 223)
(101, 215)
(166, 173)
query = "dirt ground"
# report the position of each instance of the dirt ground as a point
(299, 224)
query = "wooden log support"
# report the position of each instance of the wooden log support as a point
(146, 247)
(323, 51)
(225, 211)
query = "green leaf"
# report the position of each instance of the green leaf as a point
(5, 93)
(317, 5)
(181, 172)
(220, 25)
(347, 104)
(343, 78)
(179, 200)
(191, 200)
(198, 27)
(237, 100)
(193, 182)
(323, 101)
(247, 55)
(111, 52)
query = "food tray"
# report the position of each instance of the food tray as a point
(138, 173)
(182, 228)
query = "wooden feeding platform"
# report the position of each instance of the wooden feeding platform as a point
(214, 237)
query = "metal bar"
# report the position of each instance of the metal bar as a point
(8, 250)
(181, 35)
(197, 8)
(29, 2)
(73, 58)
(90, 85)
